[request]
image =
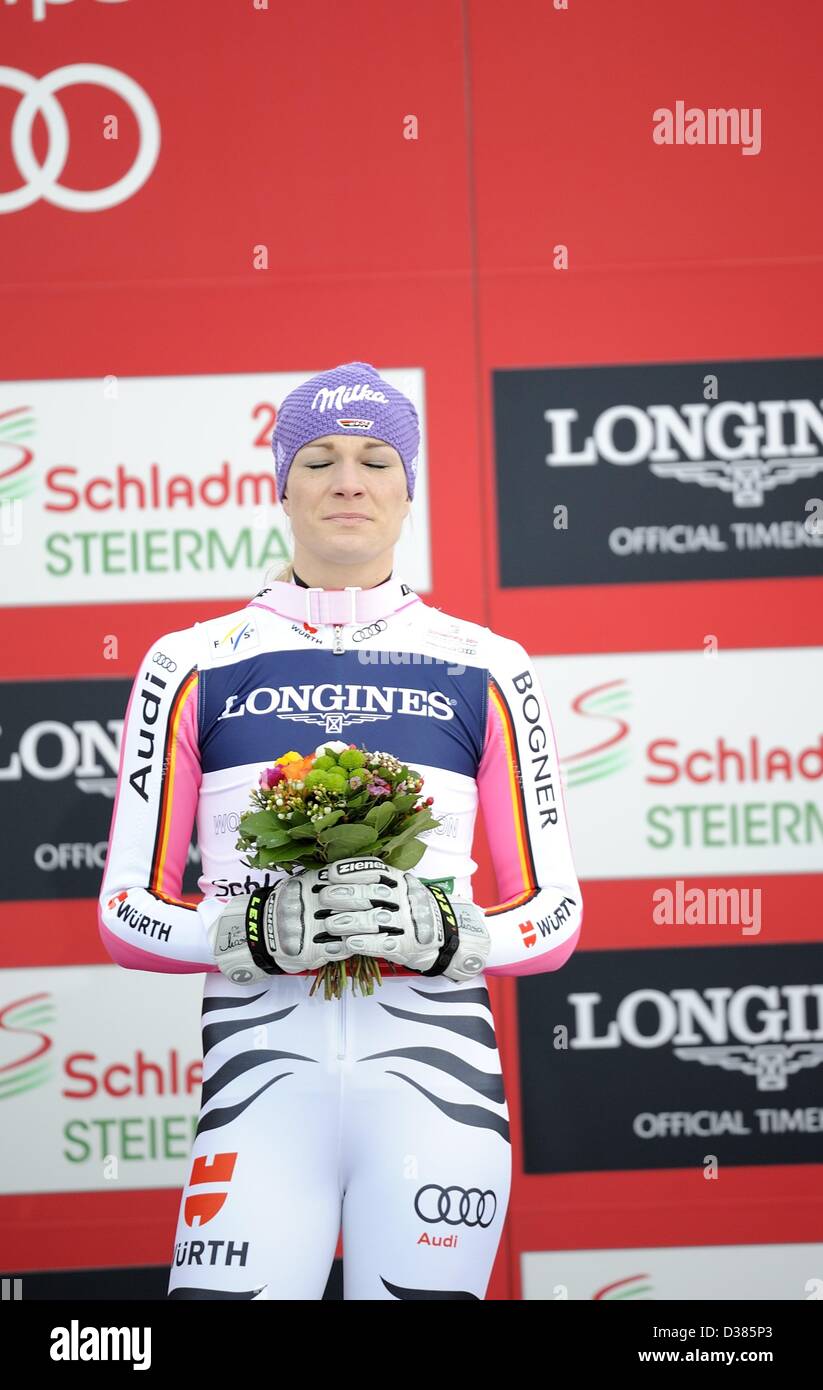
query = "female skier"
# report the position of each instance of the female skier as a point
(384, 1111)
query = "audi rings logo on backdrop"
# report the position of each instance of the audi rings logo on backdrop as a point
(457, 1206)
(41, 181)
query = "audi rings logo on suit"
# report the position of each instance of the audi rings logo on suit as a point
(456, 1206)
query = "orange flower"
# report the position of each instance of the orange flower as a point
(297, 772)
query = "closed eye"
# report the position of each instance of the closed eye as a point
(326, 465)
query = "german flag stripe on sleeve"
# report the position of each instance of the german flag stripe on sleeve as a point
(501, 710)
(186, 690)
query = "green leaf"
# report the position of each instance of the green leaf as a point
(418, 828)
(405, 856)
(334, 852)
(257, 824)
(421, 820)
(285, 854)
(265, 858)
(350, 838)
(270, 839)
(303, 832)
(331, 819)
(381, 815)
(404, 803)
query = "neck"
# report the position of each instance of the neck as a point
(319, 574)
(303, 585)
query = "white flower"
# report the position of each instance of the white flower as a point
(338, 747)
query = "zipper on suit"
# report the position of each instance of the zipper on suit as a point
(338, 647)
(341, 1023)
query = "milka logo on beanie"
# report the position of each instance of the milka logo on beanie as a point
(334, 399)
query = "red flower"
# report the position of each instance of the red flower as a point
(270, 776)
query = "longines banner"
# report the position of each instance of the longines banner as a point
(660, 1059)
(130, 489)
(100, 1078)
(687, 470)
(690, 762)
(59, 754)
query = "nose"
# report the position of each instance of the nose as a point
(347, 477)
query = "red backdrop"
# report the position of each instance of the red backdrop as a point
(284, 128)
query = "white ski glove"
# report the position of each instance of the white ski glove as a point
(353, 906)
(391, 913)
(282, 930)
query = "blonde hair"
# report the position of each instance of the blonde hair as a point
(284, 577)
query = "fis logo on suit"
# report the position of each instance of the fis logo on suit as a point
(343, 703)
(243, 636)
(456, 1206)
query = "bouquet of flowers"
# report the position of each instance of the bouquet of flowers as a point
(337, 802)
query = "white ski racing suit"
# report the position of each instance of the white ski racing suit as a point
(384, 1112)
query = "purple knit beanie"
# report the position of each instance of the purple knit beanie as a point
(350, 399)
